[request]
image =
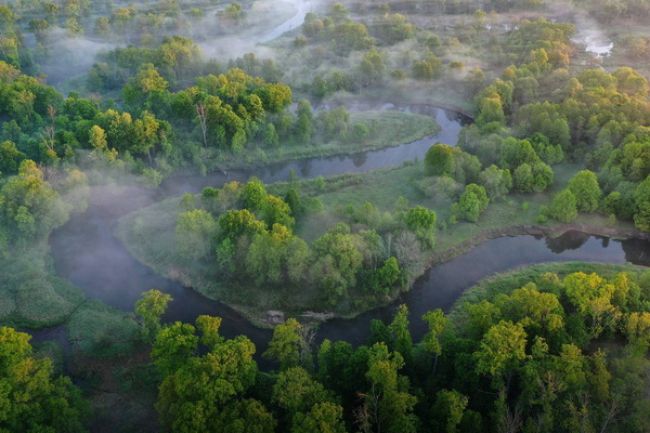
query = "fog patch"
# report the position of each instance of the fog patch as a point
(69, 57)
(265, 21)
(590, 35)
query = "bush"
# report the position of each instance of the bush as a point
(585, 188)
(472, 203)
(563, 207)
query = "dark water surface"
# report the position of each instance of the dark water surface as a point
(87, 253)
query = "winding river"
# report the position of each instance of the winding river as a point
(87, 253)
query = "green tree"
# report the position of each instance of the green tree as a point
(592, 296)
(286, 345)
(10, 158)
(253, 194)
(563, 207)
(497, 182)
(150, 308)
(244, 416)
(503, 347)
(372, 67)
(295, 391)
(584, 186)
(236, 223)
(388, 406)
(195, 233)
(198, 396)
(29, 206)
(304, 126)
(523, 178)
(173, 347)
(33, 398)
(642, 201)
(439, 160)
(323, 417)
(275, 210)
(436, 324)
(448, 410)
(339, 261)
(422, 222)
(400, 336)
(472, 203)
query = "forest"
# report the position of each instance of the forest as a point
(316, 216)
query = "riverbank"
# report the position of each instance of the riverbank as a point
(382, 129)
(506, 282)
(148, 235)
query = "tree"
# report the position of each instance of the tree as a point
(563, 207)
(286, 345)
(209, 327)
(236, 223)
(503, 347)
(592, 296)
(323, 417)
(422, 222)
(585, 188)
(497, 182)
(387, 406)
(637, 330)
(253, 194)
(517, 152)
(146, 84)
(295, 391)
(150, 308)
(195, 233)
(339, 261)
(439, 160)
(173, 347)
(199, 395)
(400, 336)
(33, 399)
(448, 410)
(428, 68)
(244, 416)
(542, 176)
(304, 126)
(472, 203)
(99, 144)
(372, 67)
(523, 178)
(29, 206)
(275, 210)
(10, 158)
(387, 276)
(642, 201)
(436, 324)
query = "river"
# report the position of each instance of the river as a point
(87, 253)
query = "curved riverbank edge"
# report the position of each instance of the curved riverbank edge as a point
(554, 231)
(505, 282)
(269, 318)
(424, 127)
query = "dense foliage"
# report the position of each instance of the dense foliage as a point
(560, 353)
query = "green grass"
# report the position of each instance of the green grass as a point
(30, 295)
(101, 331)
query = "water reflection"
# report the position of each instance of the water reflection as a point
(442, 285)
